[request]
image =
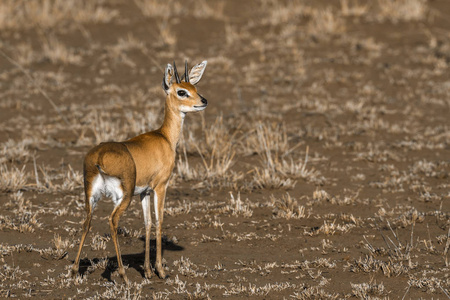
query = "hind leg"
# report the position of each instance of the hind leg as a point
(113, 224)
(92, 193)
(123, 201)
(117, 168)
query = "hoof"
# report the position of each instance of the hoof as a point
(148, 273)
(125, 279)
(124, 276)
(73, 272)
(161, 273)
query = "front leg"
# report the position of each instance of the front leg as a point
(145, 201)
(159, 197)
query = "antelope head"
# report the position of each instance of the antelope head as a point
(182, 94)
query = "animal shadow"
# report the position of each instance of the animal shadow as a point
(134, 261)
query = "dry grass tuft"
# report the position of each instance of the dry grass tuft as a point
(12, 179)
(255, 291)
(273, 147)
(201, 9)
(366, 290)
(52, 181)
(59, 251)
(8, 273)
(18, 202)
(51, 13)
(284, 12)
(217, 153)
(214, 172)
(99, 242)
(429, 284)
(23, 222)
(314, 292)
(104, 127)
(325, 22)
(56, 52)
(368, 264)
(353, 8)
(180, 208)
(122, 291)
(329, 229)
(187, 268)
(15, 151)
(266, 137)
(237, 207)
(402, 10)
(321, 195)
(266, 179)
(117, 54)
(287, 207)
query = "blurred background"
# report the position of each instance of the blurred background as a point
(319, 169)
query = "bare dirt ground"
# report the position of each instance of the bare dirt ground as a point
(319, 170)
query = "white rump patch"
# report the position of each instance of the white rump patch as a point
(113, 189)
(96, 192)
(106, 185)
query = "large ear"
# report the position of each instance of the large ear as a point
(197, 72)
(167, 80)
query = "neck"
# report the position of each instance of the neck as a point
(172, 125)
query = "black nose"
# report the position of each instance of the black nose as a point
(204, 101)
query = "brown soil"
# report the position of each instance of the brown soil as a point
(362, 92)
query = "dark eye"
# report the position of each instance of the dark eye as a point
(181, 93)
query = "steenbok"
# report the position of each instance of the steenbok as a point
(141, 165)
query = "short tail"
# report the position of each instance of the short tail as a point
(101, 170)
